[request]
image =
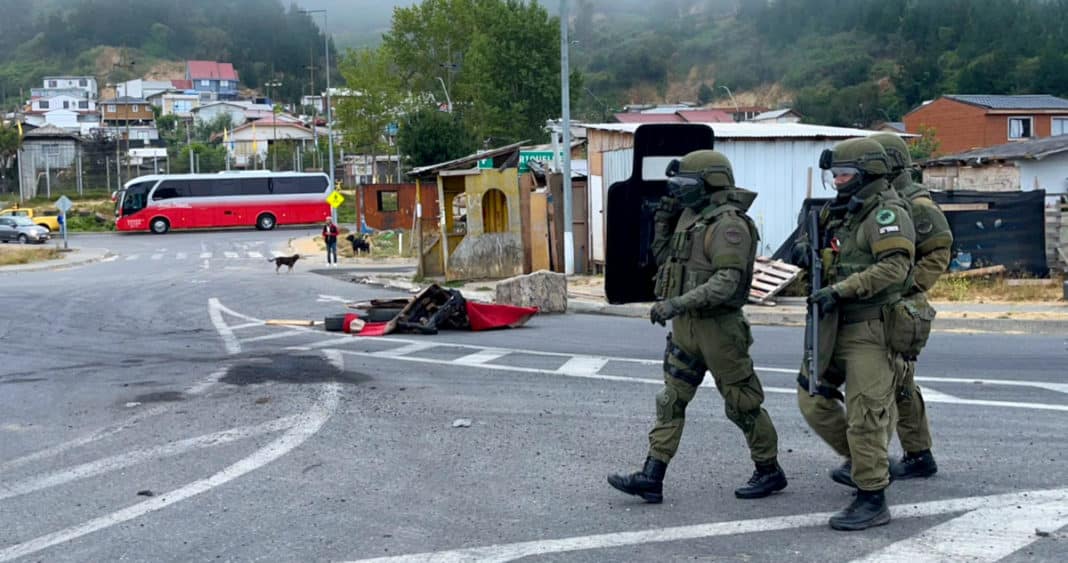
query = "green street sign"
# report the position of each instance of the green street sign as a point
(524, 157)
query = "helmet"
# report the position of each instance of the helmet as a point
(863, 159)
(896, 149)
(690, 179)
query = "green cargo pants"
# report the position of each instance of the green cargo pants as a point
(862, 430)
(913, 429)
(722, 344)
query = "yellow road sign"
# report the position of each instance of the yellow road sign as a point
(335, 199)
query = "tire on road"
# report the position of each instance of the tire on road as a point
(159, 226)
(23, 239)
(265, 222)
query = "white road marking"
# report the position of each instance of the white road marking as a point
(132, 257)
(324, 343)
(110, 259)
(205, 255)
(181, 256)
(255, 255)
(331, 298)
(512, 551)
(578, 365)
(277, 253)
(246, 325)
(481, 357)
(136, 457)
(197, 388)
(272, 336)
(157, 256)
(308, 424)
(1058, 387)
(230, 255)
(405, 350)
(204, 265)
(932, 396)
(982, 536)
(215, 311)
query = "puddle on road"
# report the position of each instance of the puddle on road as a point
(160, 397)
(290, 369)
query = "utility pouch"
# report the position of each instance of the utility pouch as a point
(669, 279)
(908, 322)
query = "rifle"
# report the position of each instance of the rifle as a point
(812, 320)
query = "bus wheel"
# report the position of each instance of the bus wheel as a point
(265, 222)
(159, 226)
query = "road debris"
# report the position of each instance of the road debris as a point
(461, 423)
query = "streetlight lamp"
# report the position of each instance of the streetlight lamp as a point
(329, 119)
(737, 111)
(274, 123)
(448, 100)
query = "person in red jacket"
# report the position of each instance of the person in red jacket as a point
(330, 232)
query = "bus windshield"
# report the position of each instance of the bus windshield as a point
(135, 197)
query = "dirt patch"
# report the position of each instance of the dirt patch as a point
(996, 289)
(12, 255)
(291, 369)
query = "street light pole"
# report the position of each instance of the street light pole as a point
(565, 99)
(448, 100)
(733, 101)
(274, 124)
(329, 118)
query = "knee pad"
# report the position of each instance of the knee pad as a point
(669, 406)
(685, 367)
(743, 396)
(746, 420)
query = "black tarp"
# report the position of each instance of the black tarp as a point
(1008, 231)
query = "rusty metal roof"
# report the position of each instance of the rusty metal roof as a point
(465, 161)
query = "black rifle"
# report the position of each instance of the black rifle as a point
(812, 321)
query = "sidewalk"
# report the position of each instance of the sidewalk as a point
(76, 257)
(586, 296)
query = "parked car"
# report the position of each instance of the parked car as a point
(22, 229)
(48, 219)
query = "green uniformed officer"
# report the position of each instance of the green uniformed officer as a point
(867, 244)
(706, 245)
(934, 243)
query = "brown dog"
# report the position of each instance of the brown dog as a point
(284, 261)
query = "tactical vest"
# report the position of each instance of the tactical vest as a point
(929, 237)
(687, 267)
(852, 258)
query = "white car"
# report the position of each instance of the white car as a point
(23, 230)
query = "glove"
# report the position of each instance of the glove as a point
(827, 299)
(802, 255)
(663, 311)
(666, 210)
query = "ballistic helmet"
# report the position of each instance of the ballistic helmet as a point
(863, 159)
(698, 173)
(896, 149)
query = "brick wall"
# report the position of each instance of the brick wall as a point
(958, 127)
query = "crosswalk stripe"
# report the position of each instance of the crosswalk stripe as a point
(230, 254)
(255, 255)
(481, 357)
(181, 256)
(405, 350)
(132, 257)
(582, 365)
(205, 255)
(157, 256)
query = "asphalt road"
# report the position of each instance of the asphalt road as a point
(148, 414)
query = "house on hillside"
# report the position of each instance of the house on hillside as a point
(240, 112)
(218, 79)
(248, 144)
(182, 105)
(86, 84)
(787, 115)
(965, 122)
(48, 155)
(129, 119)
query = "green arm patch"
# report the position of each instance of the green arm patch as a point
(885, 217)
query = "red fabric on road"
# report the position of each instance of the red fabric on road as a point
(486, 316)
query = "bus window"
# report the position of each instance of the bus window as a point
(254, 186)
(312, 185)
(171, 189)
(283, 185)
(201, 188)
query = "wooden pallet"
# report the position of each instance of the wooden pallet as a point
(769, 278)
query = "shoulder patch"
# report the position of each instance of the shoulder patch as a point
(924, 227)
(733, 235)
(885, 216)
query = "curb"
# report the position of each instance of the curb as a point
(57, 265)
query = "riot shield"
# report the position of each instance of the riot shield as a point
(629, 263)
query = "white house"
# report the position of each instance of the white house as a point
(62, 101)
(141, 88)
(779, 161)
(239, 111)
(86, 84)
(253, 139)
(778, 116)
(181, 105)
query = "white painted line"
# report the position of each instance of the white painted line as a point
(273, 336)
(937, 396)
(982, 536)
(181, 256)
(129, 459)
(215, 311)
(331, 298)
(405, 350)
(157, 256)
(197, 388)
(512, 551)
(579, 365)
(309, 423)
(246, 325)
(230, 255)
(255, 254)
(481, 357)
(110, 259)
(1058, 387)
(277, 253)
(324, 343)
(205, 255)
(132, 257)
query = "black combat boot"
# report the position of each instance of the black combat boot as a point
(914, 465)
(767, 479)
(648, 483)
(867, 510)
(843, 474)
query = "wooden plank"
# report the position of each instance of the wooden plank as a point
(1017, 283)
(764, 285)
(965, 207)
(991, 270)
(290, 322)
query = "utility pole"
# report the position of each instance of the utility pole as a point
(329, 117)
(565, 99)
(274, 123)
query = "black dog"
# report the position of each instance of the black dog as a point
(359, 244)
(284, 261)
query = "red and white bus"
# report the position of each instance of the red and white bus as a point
(161, 202)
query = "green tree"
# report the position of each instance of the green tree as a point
(375, 103)
(10, 141)
(925, 146)
(705, 94)
(428, 136)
